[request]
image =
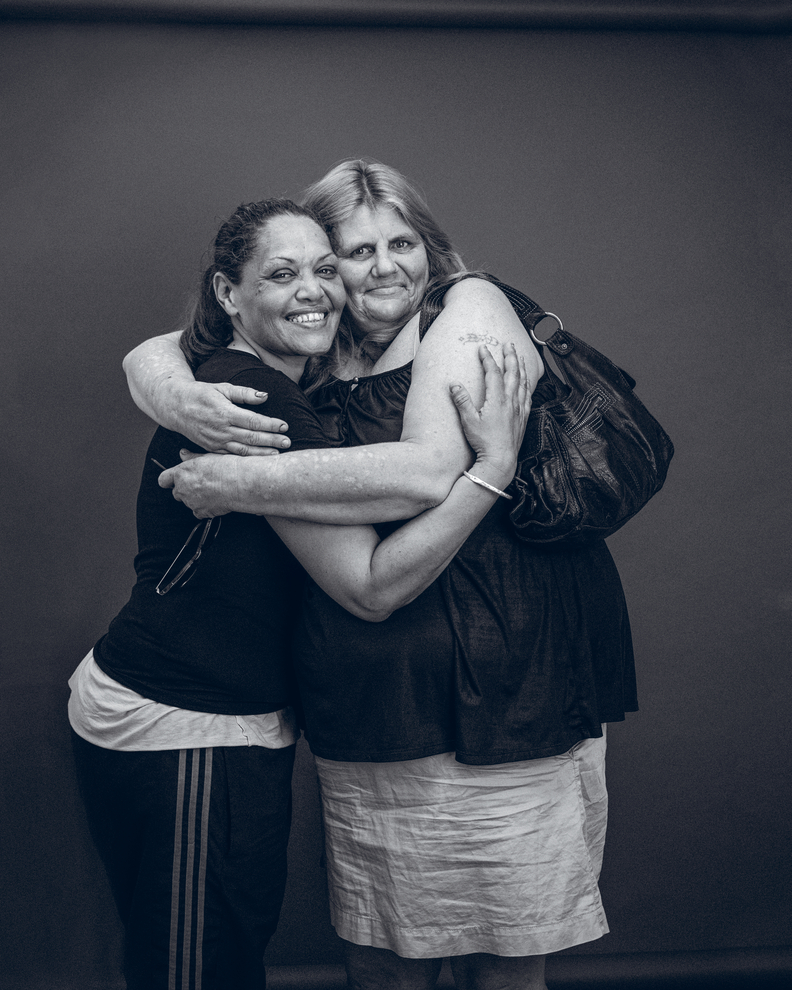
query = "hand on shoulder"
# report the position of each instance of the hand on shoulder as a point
(210, 414)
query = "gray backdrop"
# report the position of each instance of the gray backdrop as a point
(638, 184)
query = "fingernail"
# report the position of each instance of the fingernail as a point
(284, 428)
(285, 442)
(455, 388)
(261, 395)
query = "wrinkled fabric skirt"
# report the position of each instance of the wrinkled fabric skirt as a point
(433, 858)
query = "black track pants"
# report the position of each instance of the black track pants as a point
(194, 844)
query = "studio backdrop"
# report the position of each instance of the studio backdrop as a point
(632, 177)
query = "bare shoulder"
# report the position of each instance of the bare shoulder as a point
(476, 300)
(477, 312)
(474, 290)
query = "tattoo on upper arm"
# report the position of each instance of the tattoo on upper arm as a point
(479, 338)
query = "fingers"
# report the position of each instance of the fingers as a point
(520, 387)
(461, 398)
(234, 439)
(243, 428)
(522, 373)
(242, 450)
(487, 360)
(526, 395)
(516, 382)
(509, 382)
(494, 380)
(264, 435)
(511, 370)
(506, 382)
(167, 479)
(246, 444)
(241, 395)
(259, 427)
(469, 415)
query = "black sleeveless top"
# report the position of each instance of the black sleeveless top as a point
(515, 652)
(212, 645)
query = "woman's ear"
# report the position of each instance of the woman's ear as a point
(224, 290)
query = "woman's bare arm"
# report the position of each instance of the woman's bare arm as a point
(372, 579)
(163, 387)
(378, 482)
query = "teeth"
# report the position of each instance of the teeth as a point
(307, 318)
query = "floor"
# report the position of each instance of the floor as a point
(749, 969)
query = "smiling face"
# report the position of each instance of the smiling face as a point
(288, 303)
(384, 265)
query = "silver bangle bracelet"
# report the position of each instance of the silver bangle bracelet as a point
(485, 484)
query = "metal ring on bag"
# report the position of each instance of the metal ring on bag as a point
(533, 335)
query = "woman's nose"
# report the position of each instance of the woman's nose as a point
(310, 287)
(383, 264)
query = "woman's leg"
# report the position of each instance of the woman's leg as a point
(194, 844)
(369, 968)
(482, 971)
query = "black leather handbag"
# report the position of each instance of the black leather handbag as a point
(592, 455)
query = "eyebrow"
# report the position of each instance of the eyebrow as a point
(292, 261)
(405, 235)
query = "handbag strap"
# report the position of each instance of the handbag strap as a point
(528, 311)
(562, 343)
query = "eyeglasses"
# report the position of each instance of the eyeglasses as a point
(186, 562)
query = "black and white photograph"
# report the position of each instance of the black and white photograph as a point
(397, 544)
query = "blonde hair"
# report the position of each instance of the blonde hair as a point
(334, 198)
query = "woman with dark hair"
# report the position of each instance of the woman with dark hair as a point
(460, 743)
(182, 714)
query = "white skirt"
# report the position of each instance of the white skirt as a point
(434, 858)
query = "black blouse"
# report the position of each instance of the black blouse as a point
(515, 652)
